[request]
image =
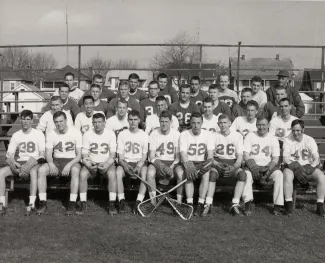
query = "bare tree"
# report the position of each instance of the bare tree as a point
(98, 65)
(125, 64)
(15, 58)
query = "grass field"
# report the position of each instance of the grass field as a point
(97, 237)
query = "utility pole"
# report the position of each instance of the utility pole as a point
(67, 32)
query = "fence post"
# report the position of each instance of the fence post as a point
(200, 65)
(238, 61)
(321, 96)
(79, 65)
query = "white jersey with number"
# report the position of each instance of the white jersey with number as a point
(113, 123)
(261, 149)
(28, 144)
(165, 145)
(212, 124)
(196, 146)
(84, 123)
(301, 152)
(98, 146)
(46, 122)
(241, 125)
(64, 144)
(280, 128)
(132, 145)
(227, 147)
(152, 122)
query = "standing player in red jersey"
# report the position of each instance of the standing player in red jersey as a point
(225, 94)
(167, 91)
(148, 105)
(184, 108)
(197, 95)
(135, 92)
(219, 107)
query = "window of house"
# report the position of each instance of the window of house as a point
(12, 85)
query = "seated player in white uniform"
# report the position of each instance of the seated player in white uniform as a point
(84, 120)
(280, 126)
(152, 121)
(196, 146)
(46, 123)
(98, 157)
(261, 154)
(164, 155)
(119, 121)
(31, 149)
(301, 158)
(246, 124)
(228, 156)
(63, 154)
(132, 149)
(210, 121)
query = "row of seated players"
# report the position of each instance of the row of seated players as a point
(195, 154)
(187, 102)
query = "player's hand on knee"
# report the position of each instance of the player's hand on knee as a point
(229, 170)
(53, 170)
(103, 167)
(66, 170)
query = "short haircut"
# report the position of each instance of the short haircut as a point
(196, 115)
(98, 116)
(261, 118)
(161, 98)
(134, 113)
(153, 82)
(133, 76)
(278, 87)
(95, 86)
(296, 122)
(166, 114)
(213, 86)
(59, 114)
(246, 90)
(224, 116)
(124, 83)
(162, 76)
(87, 97)
(123, 101)
(285, 99)
(256, 79)
(223, 75)
(208, 100)
(195, 78)
(64, 85)
(26, 113)
(55, 98)
(184, 86)
(97, 76)
(252, 103)
(69, 74)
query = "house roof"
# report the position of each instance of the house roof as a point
(314, 74)
(266, 68)
(8, 73)
(41, 95)
(124, 75)
(58, 75)
(194, 70)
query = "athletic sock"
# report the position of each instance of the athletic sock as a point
(320, 200)
(121, 197)
(152, 194)
(235, 201)
(140, 197)
(112, 197)
(179, 198)
(83, 197)
(189, 200)
(32, 200)
(73, 197)
(288, 200)
(201, 201)
(42, 196)
(208, 200)
(3, 200)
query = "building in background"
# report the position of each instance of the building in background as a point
(11, 79)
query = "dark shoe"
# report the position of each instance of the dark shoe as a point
(112, 209)
(248, 208)
(82, 208)
(30, 209)
(320, 210)
(71, 208)
(122, 207)
(234, 210)
(288, 208)
(3, 209)
(135, 208)
(206, 210)
(42, 208)
(276, 210)
(198, 209)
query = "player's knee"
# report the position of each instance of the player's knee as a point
(179, 172)
(84, 174)
(111, 174)
(288, 175)
(151, 173)
(213, 176)
(320, 177)
(241, 176)
(119, 172)
(42, 171)
(277, 175)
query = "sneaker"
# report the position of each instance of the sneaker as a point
(198, 209)
(82, 208)
(248, 208)
(3, 209)
(288, 208)
(135, 208)
(276, 210)
(206, 210)
(71, 208)
(122, 206)
(234, 210)
(42, 208)
(320, 210)
(111, 208)
(29, 210)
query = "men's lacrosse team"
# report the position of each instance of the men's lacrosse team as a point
(196, 139)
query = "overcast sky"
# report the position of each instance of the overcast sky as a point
(155, 21)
